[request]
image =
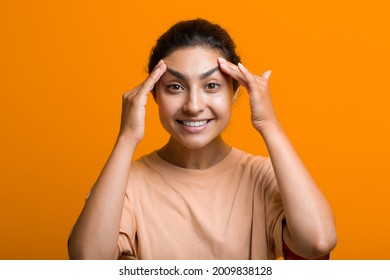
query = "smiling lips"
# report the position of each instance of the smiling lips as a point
(194, 126)
(195, 123)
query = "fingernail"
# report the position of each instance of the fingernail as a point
(159, 63)
(267, 74)
(240, 64)
(222, 60)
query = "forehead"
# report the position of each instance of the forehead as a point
(192, 61)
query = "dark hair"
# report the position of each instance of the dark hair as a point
(191, 33)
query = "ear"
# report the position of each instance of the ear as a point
(154, 95)
(235, 94)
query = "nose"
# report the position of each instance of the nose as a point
(194, 103)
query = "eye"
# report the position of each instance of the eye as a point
(175, 88)
(212, 86)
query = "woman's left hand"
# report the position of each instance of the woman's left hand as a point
(262, 112)
(309, 231)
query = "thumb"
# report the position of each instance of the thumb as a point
(267, 74)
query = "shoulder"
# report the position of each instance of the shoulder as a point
(150, 169)
(258, 169)
(254, 162)
(144, 163)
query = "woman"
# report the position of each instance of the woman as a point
(197, 197)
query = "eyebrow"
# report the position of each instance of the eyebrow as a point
(185, 77)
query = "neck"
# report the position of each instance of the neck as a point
(202, 158)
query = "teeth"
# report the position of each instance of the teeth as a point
(198, 123)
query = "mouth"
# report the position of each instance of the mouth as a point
(197, 123)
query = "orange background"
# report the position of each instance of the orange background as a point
(65, 64)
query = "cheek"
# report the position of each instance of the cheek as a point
(223, 104)
(163, 109)
(167, 107)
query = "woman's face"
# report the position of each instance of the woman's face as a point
(194, 97)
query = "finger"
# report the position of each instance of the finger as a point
(153, 78)
(251, 79)
(155, 74)
(232, 70)
(267, 74)
(130, 92)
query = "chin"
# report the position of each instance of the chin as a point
(190, 141)
(193, 145)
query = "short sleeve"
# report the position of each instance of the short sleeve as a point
(274, 213)
(127, 232)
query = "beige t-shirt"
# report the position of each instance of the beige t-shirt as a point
(232, 210)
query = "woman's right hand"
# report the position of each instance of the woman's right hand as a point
(96, 232)
(133, 106)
